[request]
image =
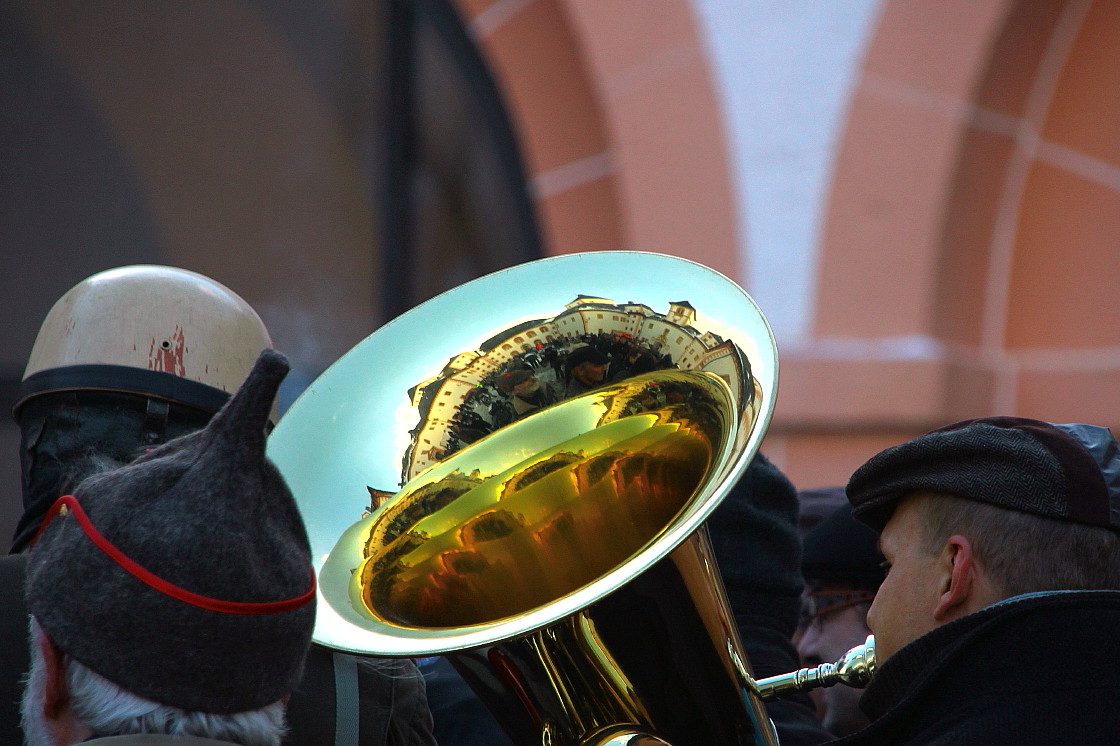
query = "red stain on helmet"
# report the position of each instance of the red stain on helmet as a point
(166, 354)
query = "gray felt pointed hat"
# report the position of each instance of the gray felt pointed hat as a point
(185, 577)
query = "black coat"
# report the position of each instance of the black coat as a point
(758, 550)
(14, 656)
(1038, 669)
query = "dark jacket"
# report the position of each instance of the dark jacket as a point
(14, 656)
(347, 700)
(342, 700)
(1036, 669)
(459, 716)
(758, 550)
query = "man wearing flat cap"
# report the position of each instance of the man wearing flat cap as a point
(996, 622)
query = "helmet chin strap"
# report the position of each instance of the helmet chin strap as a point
(155, 420)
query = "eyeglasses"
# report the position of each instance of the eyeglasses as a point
(820, 604)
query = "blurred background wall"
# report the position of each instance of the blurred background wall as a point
(922, 195)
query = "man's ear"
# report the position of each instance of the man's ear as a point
(958, 580)
(55, 694)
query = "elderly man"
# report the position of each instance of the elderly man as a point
(173, 598)
(995, 622)
(125, 361)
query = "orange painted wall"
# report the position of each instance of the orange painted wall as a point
(974, 206)
(619, 124)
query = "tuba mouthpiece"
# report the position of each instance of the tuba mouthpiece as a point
(854, 668)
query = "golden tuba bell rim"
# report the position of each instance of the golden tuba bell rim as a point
(322, 410)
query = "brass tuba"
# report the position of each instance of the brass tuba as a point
(470, 494)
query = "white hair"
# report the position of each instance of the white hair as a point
(108, 710)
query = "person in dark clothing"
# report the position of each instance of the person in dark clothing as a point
(994, 622)
(758, 551)
(842, 566)
(525, 391)
(631, 360)
(127, 360)
(1038, 669)
(586, 371)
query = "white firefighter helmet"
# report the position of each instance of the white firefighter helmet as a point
(147, 329)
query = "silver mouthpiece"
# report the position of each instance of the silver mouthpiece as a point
(854, 668)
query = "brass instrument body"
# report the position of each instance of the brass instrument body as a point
(646, 661)
(582, 616)
(537, 515)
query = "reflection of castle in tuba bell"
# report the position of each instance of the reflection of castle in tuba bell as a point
(553, 550)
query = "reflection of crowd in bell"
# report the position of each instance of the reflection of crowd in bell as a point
(547, 373)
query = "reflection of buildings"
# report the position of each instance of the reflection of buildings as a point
(669, 401)
(468, 544)
(539, 470)
(672, 334)
(464, 396)
(401, 516)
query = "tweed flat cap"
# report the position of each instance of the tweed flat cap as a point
(1069, 472)
(185, 576)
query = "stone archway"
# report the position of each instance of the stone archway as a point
(968, 262)
(619, 124)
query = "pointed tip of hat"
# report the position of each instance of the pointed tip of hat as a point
(251, 406)
(270, 365)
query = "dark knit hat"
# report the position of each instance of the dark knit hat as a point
(185, 577)
(1069, 472)
(816, 504)
(841, 550)
(587, 354)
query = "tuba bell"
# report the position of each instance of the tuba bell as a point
(468, 493)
